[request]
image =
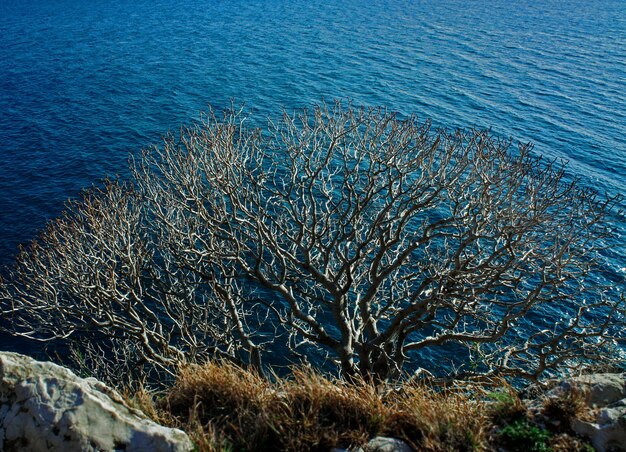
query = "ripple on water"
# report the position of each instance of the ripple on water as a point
(82, 84)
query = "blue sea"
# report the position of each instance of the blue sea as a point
(84, 84)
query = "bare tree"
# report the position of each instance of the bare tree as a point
(338, 233)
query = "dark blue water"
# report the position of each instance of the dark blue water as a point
(85, 83)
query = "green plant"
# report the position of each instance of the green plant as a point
(521, 436)
(505, 406)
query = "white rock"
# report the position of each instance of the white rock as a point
(606, 397)
(608, 432)
(383, 444)
(604, 389)
(46, 407)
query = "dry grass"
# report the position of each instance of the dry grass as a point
(436, 420)
(562, 410)
(228, 401)
(223, 408)
(320, 413)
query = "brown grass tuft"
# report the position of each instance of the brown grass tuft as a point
(560, 411)
(324, 413)
(228, 401)
(436, 420)
(223, 408)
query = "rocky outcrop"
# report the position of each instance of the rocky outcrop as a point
(601, 389)
(605, 422)
(606, 393)
(380, 444)
(46, 407)
(383, 444)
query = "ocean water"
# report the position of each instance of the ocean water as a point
(84, 84)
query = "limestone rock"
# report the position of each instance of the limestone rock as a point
(604, 389)
(605, 422)
(46, 407)
(383, 444)
(608, 432)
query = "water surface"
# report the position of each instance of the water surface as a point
(83, 84)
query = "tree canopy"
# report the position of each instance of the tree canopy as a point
(338, 235)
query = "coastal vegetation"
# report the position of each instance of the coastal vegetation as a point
(224, 407)
(348, 239)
